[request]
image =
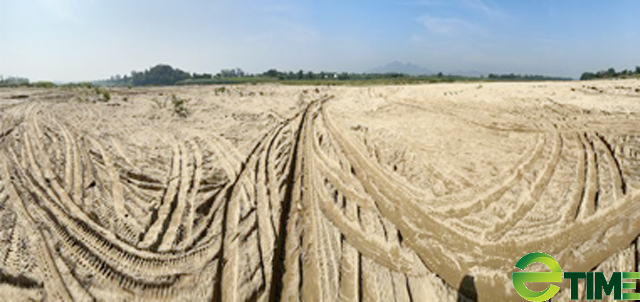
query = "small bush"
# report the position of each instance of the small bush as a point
(107, 95)
(43, 84)
(179, 106)
(103, 94)
(220, 90)
(81, 85)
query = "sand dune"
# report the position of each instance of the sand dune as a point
(314, 193)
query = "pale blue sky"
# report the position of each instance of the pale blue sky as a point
(73, 40)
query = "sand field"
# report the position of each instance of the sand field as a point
(269, 192)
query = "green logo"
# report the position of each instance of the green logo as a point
(520, 277)
(596, 282)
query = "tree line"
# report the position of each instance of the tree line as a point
(163, 75)
(23, 82)
(167, 75)
(526, 77)
(611, 73)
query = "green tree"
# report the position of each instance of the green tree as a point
(587, 76)
(273, 73)
(158, 75)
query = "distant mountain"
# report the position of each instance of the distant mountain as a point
(399, 67)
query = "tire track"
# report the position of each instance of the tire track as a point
(588, 206)
(528, 200)
(579, 193)
(307, 215)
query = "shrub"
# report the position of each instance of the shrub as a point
(103, 94)
(106, 95)
(220, 90)
(179, 106)
(43, 84)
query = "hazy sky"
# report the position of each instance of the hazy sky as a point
(72, 40)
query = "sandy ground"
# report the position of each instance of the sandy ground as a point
(407, 193)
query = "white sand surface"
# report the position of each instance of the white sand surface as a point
(269, 192)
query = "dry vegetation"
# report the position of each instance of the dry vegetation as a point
(315, 193)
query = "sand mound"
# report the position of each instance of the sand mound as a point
(288, 193)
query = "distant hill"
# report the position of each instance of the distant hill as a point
(405, 68)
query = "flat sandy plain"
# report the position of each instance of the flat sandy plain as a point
(423, 193)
